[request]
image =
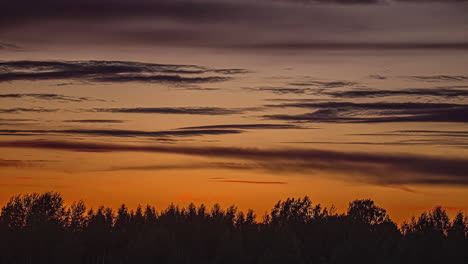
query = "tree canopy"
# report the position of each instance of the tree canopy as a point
(39, 228)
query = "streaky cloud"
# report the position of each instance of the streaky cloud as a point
(110, 121)
(30, 110)
(49, 97)
(121, 133)
(247, 126)
(20, 163)
(110, 71)
(440, 78)
(178, 110)
(372, 168)
(379, 112)
(375, 93)
(321, 84)
(10, 47)
(279, 90)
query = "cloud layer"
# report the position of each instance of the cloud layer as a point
(242, 24)
(373, 168)
(111, 71)
(446, 92)
(379, 112)
(49, 97)
(177, 110)
(121, 133)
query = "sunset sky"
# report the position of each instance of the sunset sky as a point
(241, 102)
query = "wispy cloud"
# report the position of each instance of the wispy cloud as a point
(17, 119)
(440, 78)
(110, 121)
(321, 84)
(49, 97)
(122, 133)
(10, 47)
(302, 87)
(279, 90)
(31, 110)
(375, 93)
(379, 112)
(178, 110)
(110, 71)
(372, 168)
(20, 163)
(247, 126)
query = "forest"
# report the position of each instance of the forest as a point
(41, 228)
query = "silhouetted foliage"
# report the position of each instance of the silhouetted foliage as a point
(39, 228)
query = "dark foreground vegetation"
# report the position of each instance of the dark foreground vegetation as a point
(38, 228)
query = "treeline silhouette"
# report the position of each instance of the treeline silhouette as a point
(39, 228)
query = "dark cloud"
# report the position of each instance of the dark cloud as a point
(440, 78)
(247, 126)
(178, 110)
(196, 88)
(28, 11)
(378, 77)
(279, 90)
(262, 24)
(437, 132)
(303, 87)
(160, 78)
(380, 112)
(20, 163)
(114, 9)
(369, 106)
(122, 133)
(452, 135)
(49, 97)
(374, 168)
(110, 71)
(333, 84)
(111, 121)
(17, 119)
(374, 93)
(31, 110)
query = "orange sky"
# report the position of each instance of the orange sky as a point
(160, 178)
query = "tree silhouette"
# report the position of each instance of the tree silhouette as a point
(39, 228)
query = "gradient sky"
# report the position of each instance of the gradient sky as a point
(239, 102)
